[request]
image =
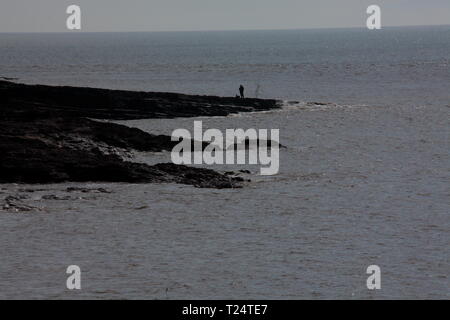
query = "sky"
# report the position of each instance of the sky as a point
(188, 15)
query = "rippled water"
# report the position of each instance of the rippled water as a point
(363, 181)
(358, 186)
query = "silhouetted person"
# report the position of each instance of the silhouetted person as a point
(241, 91)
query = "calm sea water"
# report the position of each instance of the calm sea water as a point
(409, 65)
(364, 180)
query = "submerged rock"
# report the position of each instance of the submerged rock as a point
(14, 204)
(54, 197)
(87, 190)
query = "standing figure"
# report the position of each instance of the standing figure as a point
(241, 91)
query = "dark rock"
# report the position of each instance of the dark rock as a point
(119, 104)
(53, 197)
(317, 103)
(30, 190)
(37, 147)
(199, 177)
(15, 198)
(246, 144)
(87, 190)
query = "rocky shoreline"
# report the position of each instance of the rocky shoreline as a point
(48, 135)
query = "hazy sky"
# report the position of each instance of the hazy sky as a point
(161, 15)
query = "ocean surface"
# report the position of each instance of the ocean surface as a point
(364, 180)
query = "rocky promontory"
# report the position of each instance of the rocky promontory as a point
(47, 134)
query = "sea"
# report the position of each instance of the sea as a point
(364, 179)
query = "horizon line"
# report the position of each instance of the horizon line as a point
(220, 30)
